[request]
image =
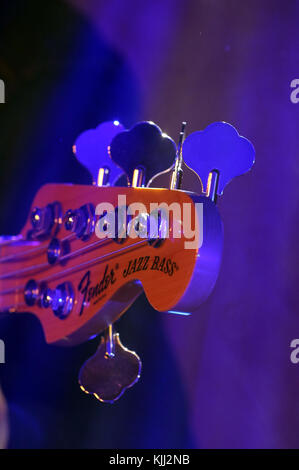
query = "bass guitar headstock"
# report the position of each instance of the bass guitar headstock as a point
(87, 252)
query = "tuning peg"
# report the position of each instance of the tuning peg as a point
(142, 152)
(111, 370)
(219, 150)
(91, 150)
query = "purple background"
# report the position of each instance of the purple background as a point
(211, 60)
(232, 382)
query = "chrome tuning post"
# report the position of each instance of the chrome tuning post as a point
(212, 185)
(138, 178)
(111, 370)
(45, 221)
(109, 342)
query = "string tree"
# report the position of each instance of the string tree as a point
(179, 175)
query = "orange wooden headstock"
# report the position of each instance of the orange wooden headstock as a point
(87, 252)
(77, 283)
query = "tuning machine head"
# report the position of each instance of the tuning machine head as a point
(220, 150)
(111, 370)
(91, 150)
(142, 151)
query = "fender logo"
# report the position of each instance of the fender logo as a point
(165, 265)
(90, 292)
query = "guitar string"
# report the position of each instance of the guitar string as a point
(36, 250)
(17, 256)
(79, 267)
(133, 246)
(84, 249)
(11, 240)
(13, 308)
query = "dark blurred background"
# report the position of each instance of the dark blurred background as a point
(222, 377)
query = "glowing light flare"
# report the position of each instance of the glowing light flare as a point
(175, 312)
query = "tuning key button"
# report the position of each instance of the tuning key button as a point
(70, 220)
(54, 250)
(31, 292)
(91, 150)
(81, 221)
(218, 147)
(61, 299)
(158, 228)
(36, 217)
(46, 297)
(110, 371)
(142, 152)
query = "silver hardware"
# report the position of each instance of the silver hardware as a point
(138, 178)
(31, 292)
(177, 175)
(212, 185)
(45, 221)
(54, 250)
(158, 228)
(109, 341)
(111, 370)
(81, 221)
(103, 176)
(139, 226)
(61, 299)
